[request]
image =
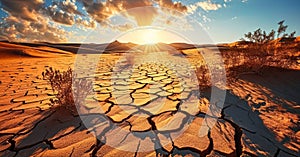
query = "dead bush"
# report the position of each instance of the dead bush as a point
(203, 76)
(67, 96)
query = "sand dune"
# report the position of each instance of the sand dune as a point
(8, 50)
(274, 96)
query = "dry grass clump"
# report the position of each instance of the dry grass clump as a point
(203, 76)
(66, 95)
(247, 59)
(260, 50)
(247, 63)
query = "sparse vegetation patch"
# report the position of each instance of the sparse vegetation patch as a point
(68, 93)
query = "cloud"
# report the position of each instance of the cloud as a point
(27, 31)
(36, 20)
(60, 16)
(244, 1)
(26, 22)
(208, 5)
(27, 10)
(102, 11)
(177, 6)
(234, 18)
(142, 16)
(68, 6)
(205, 18)
(97, 11)
(172, 21)
(124, 27)
(225, 3)
(87, 23)
(64, 12)
(205, 5)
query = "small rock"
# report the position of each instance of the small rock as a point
(248, 97)
(262, 103)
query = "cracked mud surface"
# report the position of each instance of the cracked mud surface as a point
(147, 110)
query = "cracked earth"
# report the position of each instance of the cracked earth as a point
(152, 109)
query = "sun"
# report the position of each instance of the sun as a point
(150, 36)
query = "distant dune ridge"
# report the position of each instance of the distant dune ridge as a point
(11, 50)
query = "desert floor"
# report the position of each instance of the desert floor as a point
(147, 110)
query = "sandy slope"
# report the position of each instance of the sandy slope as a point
(274, 96)
(8, 50)
(260, 116)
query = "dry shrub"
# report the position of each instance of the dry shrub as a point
(61, 83)
(203, 76)
(255, 59)
(245, 61)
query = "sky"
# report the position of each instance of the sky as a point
(142, 21)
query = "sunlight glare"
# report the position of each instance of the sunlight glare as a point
(150, 36)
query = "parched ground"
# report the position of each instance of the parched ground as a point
(151, 109)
